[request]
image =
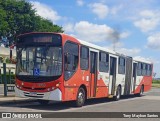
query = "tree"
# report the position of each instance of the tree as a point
(18, 17)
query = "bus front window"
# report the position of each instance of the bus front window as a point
(39, 61)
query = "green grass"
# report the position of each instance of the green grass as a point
(156, 83)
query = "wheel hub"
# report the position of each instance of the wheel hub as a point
(80, 97)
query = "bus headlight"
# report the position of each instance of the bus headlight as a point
(17, 85)
(48, 89)
(52, 88)
(58, 84)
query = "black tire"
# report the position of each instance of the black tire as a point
(80, 97)
(118, 94)
(43, 102)
(141, 92)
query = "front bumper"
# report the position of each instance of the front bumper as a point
(55, 95)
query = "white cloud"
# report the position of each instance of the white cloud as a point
(125, 51)
(124, 34)
(100, 10)
(147, 13)
(118, 44)
(80, 2)
(129, 52)
(154, 41)
(148, 20)
(115, 46)
(45, 11)
(114, 10)
(68, 27)
(94, 32)
(146, 24)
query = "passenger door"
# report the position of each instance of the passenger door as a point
(93, 73)
(134, 75)
(112, 82)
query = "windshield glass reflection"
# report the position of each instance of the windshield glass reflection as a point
(39, 61)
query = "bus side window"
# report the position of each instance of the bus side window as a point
(103, 62)
(149, 70)
(143, 69)
(139, 70)
(121, 65)
(70, 59)
(84, 61)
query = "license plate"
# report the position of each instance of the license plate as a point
(33, 94)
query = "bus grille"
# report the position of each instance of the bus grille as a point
(37, 95)
(34, 88)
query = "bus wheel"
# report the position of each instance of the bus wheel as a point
(118, 94)
(43, 102)
(80, 97)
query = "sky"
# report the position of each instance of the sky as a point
(131, 27)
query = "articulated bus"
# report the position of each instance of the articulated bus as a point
(59, 67)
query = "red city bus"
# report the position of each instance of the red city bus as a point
(58, 67)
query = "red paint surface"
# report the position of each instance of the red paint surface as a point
(147, 82)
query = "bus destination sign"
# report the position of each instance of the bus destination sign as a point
(42, 39)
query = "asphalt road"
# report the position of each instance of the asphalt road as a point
(150, 102)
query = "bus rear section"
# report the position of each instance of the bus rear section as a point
(142, 76)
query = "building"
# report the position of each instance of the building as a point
(4, 55)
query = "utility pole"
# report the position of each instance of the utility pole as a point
(4, 79)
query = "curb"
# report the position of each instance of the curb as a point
(16, 101)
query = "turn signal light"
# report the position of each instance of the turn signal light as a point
(48, 89)
(57, 85)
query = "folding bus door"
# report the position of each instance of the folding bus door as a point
(93, 73)
(112, 83)
(134, 75)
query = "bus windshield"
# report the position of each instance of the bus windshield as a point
(39, 55)
(39, 61)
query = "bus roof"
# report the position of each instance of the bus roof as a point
(96, 47)
(142, 60)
